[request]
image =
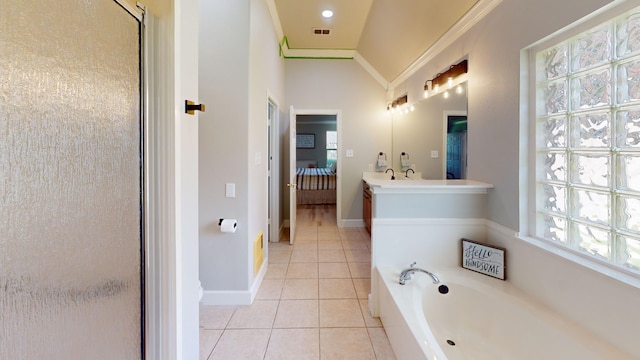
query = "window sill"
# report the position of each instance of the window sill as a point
(620, 274)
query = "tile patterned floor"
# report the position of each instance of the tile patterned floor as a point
(312, 303)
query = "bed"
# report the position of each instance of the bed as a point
(315, 186)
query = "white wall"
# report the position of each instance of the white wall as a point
(365, 128)
(239, 66)
(266, 79)
(223, 140)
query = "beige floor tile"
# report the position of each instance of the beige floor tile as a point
(333, 256)
(337, 289)
(333, 271)
(305, 241)
(300, 289)
(369, 320)
(348, 234)
(358, 255)
(360, 270)
(305, 245)
(381, 345)
(302, 271)
(281, 245)
(279, 256)
(297, 314)
(354, 245)
(259, 315)
(328, 234)
(307, 233)
(294, 344)
(330, 245)
(241, 344)
(208, 340)
(270, 289)
(340, 313)
(276, 271)
(352, 344)
(304, 256)
(363, 288)
(215, 316)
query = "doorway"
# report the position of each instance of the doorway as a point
(456, 146)
(71, 194)
(315, 159)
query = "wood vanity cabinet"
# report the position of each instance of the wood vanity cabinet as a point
(366, 205)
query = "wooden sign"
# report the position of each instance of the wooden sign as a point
(482, 258)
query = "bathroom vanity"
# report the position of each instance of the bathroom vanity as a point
(366, 205)
(414, 197)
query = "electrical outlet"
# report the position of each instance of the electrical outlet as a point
(349, 153)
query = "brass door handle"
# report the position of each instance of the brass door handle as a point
(291, 185)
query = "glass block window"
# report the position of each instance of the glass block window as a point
(587, 142)
(332, 147)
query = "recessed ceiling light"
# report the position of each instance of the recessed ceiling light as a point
(327, 13)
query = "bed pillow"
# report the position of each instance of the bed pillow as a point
(334, 166)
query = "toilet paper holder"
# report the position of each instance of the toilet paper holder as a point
(220, 223)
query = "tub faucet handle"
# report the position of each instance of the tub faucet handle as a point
(412, 264)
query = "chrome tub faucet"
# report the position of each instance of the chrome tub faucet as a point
(406, 274)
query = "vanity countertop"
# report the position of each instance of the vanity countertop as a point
(381, 183)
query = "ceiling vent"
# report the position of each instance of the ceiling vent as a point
(319, 31)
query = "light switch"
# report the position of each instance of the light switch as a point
(434, 154)
(349, 153)
(230, 190)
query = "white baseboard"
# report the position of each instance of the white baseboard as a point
(240, 297)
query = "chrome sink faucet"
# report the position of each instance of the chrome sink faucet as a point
(393, 173)
(406, 274)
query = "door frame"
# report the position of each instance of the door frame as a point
(338, 114)
(273, 196)
(171, 286)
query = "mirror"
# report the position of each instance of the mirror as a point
(434, 136)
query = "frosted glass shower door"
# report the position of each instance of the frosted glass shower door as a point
(70, 181)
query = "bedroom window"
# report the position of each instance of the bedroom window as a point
(332, 148)
(587, 141)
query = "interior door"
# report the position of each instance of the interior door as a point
(70, 181)
(292, 175)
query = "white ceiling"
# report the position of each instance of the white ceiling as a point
(390, 35)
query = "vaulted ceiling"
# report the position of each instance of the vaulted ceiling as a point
(388, 35)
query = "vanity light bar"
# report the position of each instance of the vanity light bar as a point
(453, 72)
(398, 102)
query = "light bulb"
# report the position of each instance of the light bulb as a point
(426, 94)
(327, 13)
(459, 89)
(450, 82)
(446, 94)
(436, 89)
(412, 108)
